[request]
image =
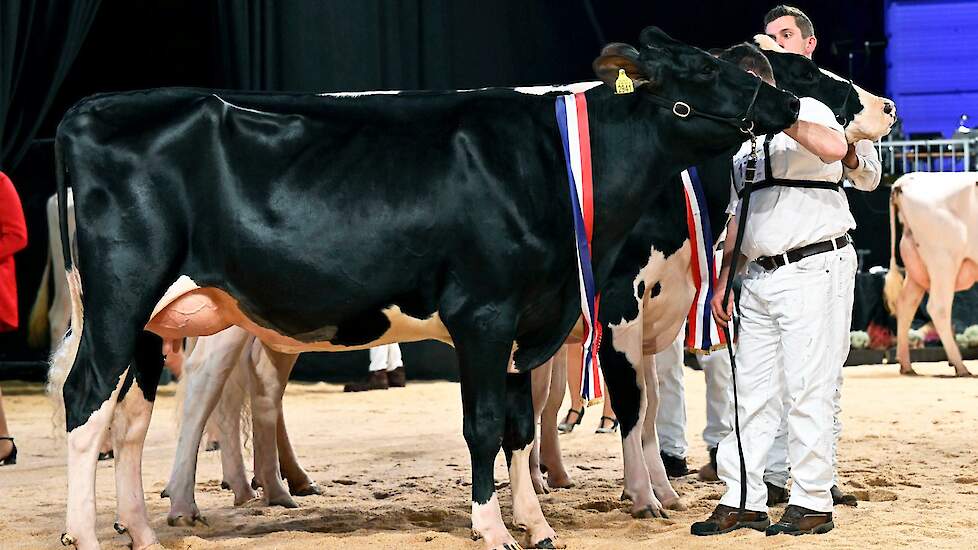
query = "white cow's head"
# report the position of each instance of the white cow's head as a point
(872, 122)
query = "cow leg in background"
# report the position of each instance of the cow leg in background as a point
(227, 417)
(650, 439)
(939, 308)
(550, 455)
(621, 363)
(129, 433)
(268, 381)
(220, 353)
(907, 303)
(518, 445)
(540, 379)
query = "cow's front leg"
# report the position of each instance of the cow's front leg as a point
(540, 381)
(650, 438)
(267, 389)
(550, 455)
(621, 363)
(517, 444)
(132, 419)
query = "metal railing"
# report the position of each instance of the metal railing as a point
(928, 155)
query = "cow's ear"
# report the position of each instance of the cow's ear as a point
(654, 36)
(620, 48)
(607, 68)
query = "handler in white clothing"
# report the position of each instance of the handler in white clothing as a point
(386, 370)
(801, 264)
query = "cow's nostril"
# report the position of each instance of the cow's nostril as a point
(888, 108)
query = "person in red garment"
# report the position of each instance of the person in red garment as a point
(13, 238)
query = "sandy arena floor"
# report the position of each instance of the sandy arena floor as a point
(396, 474)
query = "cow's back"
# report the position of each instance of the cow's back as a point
(941, 210)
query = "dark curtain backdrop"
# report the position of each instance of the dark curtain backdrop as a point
(39, 41)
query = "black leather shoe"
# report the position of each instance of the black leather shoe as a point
(725, 519)
(776, 495)
(675, 467)
(845, 499)
(801, 521)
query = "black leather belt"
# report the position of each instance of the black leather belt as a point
(802, 252)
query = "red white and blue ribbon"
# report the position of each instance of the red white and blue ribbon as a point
(702, 333)
(572, 121)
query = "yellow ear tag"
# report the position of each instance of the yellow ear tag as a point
(624, 84)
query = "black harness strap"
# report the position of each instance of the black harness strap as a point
(771, 181)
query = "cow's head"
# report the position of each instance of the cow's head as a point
(715, 100)
(864, 115)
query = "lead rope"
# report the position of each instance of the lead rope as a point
(749, 175)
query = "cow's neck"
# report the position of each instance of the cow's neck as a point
(636, 150)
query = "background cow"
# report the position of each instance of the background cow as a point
(939, 247)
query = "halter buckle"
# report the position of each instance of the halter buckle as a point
(681, 110)
(747, 127)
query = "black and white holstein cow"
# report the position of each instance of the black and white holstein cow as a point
(654, 268)
(322, 223)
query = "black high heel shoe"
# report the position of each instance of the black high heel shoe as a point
(567, 426)
(10, 459)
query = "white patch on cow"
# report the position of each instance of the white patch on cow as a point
(526, 506)
(871, 123)
(575, 88)
(238, 107)
(63, 359)
(487, 522)
(359, 94)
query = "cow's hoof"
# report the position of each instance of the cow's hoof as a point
(625, 497)
(119, 528)
(908, 371)
(165, 493)
(285, 501)
(254, 483)
(67, 540)
(549, 543)
(184, 521)
(225, 485)
(677, 504)
(540, 486)
(311, 489)
(649, 511)
(963, 374)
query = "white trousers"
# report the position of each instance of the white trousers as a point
(791, 342)
(386, 357)
(670, 421)
(719, 397)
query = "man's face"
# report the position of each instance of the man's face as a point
(785, 31)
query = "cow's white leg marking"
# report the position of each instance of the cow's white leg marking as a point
(526, 507)
(267, 387)
(129, 434)
(487, 522)
(650, 441)
(83, 445)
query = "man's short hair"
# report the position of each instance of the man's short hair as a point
(802, 20)
(749, 58)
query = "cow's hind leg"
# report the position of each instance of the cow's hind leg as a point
(267, 387)
(132, 419)
(550, 455)
(204, 386)
(907, 303)
(518, 444)
(540, 380)
(483, 357)
(939, 309)
(228, 415)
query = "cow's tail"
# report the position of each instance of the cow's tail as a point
(64, 355)
(38, 324)
(894, 278)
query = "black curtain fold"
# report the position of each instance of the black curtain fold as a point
(38, 42)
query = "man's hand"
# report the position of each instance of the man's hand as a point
(851, 160)
(720, 314)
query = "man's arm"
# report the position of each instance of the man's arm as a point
(720, 313)
(862, 165)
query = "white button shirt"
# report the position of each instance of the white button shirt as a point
(784, 218)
